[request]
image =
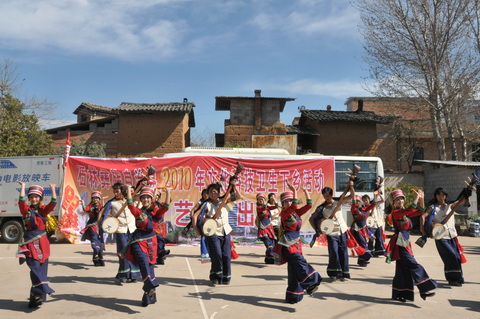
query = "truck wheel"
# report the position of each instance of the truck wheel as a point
(12, 231)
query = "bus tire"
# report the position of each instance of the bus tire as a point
(12, 231)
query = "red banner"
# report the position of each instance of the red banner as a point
(187, 176)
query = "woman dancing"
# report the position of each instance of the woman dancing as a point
(90, 232)
(407, 270)
(34, 248)
(301, 275)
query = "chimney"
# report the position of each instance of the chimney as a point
(329, 107)
(360, 106)
(185, 100)
(258, 111)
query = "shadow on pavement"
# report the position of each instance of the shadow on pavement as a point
(362, 298)
(467, 304)
(109, 303)
(273, 303)
(471, 250)
(89, 279)
(267, 277)
(15, 305)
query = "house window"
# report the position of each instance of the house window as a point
(418, 154)
(476, 152)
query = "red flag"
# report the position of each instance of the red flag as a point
(68, 146)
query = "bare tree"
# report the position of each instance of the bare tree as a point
(10, 83)
(424, 49)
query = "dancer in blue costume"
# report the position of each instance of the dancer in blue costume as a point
(91, 232)
(408, 272)
(449, 248)
(266, 232)
(301, 275)
(142, 247)
(34, 247)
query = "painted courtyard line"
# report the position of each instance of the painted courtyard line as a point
(197, 291)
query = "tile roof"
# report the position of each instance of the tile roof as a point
(82, 125)
(414, 100)
(185, 107)
(222, 103)
(301, 129)
(345, 116)
(96, 108)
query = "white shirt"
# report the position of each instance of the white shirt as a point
(440, 214)
(223, 227)
(275, 220)
(340, 226)
(378, 216)
(126, 219)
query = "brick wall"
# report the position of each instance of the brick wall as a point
(343, 138)
(242, 112)
(151, 134)
(239, 135)
(415, 126)
(270, 112)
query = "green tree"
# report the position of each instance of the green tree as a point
(91, 149)
(20, 134)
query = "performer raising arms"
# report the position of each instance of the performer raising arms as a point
(265, 227)
(142, 248)
(449, 249)
(34, 247)
(219, 245)
(338, 265)
(126, 270)
(359, 226)
(301, 276)
(90, 232)
(399, 249)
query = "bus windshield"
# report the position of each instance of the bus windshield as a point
(366, 177)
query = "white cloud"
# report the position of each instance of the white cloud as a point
(158, 30)
(336, 89)
(310, 18)
(115, 28)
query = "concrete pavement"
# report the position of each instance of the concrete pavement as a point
(257, 290)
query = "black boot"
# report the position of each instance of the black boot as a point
(35, 301)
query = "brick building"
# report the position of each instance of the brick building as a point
(410, 137)
(353, 133)
(253, 122)
(132, 129)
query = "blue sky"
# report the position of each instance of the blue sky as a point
(151, 51)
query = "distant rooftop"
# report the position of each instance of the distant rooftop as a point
(346, 116)
(96, 108)
(185, 107)
(301, 129)
(222, 103)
